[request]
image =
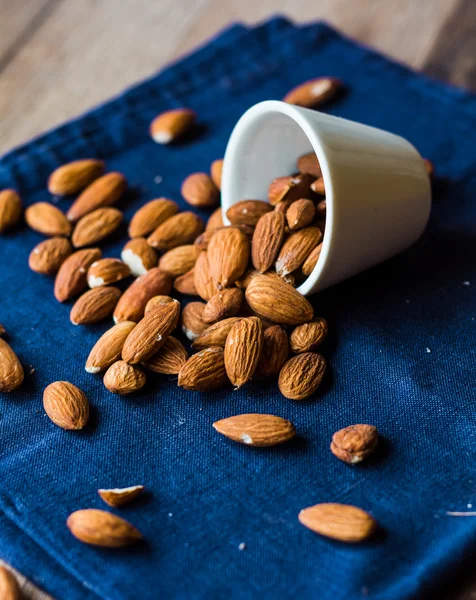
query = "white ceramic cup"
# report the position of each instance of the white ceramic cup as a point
(377, 188)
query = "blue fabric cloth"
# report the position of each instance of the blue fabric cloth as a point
(401, 350)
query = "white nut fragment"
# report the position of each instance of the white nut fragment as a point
(134, 262)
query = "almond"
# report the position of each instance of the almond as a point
(338, 521)
(301, 375)
(66, 405)
(104, 191)
(48, 256)
(256, 429)
(106, 271)
(273, 299)
(176, 231)
(139, 256)
(300, 214)
(318, 186)
(204, 238)
(179, 260)
(122, 378)
(283, 205)
(308, 163)
(151, 215)
(243, 350)
(47, 219)
(10, 209)
(226, 303)
(275, 351)
(354, 443)
(203, 280)
(321, 209)
(133, 301)
(321, 224)
(118, 497)
(216, 334)
(267, 240)
(94, 305)
(215, 220)
(228, 255)
(296, 249)
(171, 124)
(2, 329)
(289, 188)
(308, 336)
(101, 528)
(247, 212)
(199, 190)
(108, 348)
(156, 301)
(96, 226)
(204, 371)
(216, 170)
(11, 371)
(9, 588)
(250, 274)
(72, 275)
(192, 322)
(150, 334)
(169, 359)
(74, 176)
(311, 260)
(185, 284)
(314, 92)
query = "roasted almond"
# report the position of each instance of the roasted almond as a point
(179, 260)
(10, 209)
(169, 359)
(204, 371)
(216, 334)
(318, 186)
(203, 280)
(139, 256)
(228, 255)
(101, 528)
(192, 323)
(308, 336)
(122, 378)
(247, 212)
(133, 301)
(176, 231)
(185, 284)
(104, 191)
(171, 124)
(156, 301)
(47, 219)
(243, 350)
(289, 188)
(117, 497)
(66, 405)
(215, 220)
(300, 214)
(311, 260)
(296, 249)
(11, 371)
(9, 588)
(94, 305)
(274, 353)
(96, 226)
(314, 92)
(72, 275)
(106, 271)
(267, 240)
(339, 521)
(301, 375)
(308, 163)
(199, 190)
(108, 348)
(256, 429)
(222, 305)
(216, 170)
(354, 443)
(74, 176)
(48, 256)
(151, 215)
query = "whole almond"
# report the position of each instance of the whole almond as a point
(11, 371)
(300, 214)
(169, 359)
(10, 209)
(151, 215)
(354, 443)
(311, 260)
(192, 323)
(106, 271)
(243, 350)
(204, 238)
(222, 305)
(179, 260)
(247, 212)
(47, 219)
(117, 497)
(156, 301)
(104, 191)
(204, 283)
(301, 375)
(250, 274)
(171, 124)
(9, 588)
(267, 240)
(48, 256)
(94, 305)
(108, 348)
(96, 226)
(215, 220)
(123, 379)
(176, 231)
(228, 255)
(101, 528)
(275, 351)
(308, 163)
(199, 190)
(216, 170)
(66, 405)
(139, 256)
(289, 188)
(318, 186)
(185, 284)
(72, 275)
(339, 521)
(314, 92)
(278, 301)
(204, 371)
(296, 249)
(150, 334)
(131, 306)
(216, 334)
(308, 336)
(74, 176)
(256, 429)
(283, 205)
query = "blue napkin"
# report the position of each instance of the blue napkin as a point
(401, 350)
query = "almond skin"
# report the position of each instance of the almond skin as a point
(300, 214)
(156, 301)
(118, 497)
(308, 336)
(169, 359)
(243, 350)
(96, 226)
(133, 301)
(273, 299)
(151, 215)
(216, 334)
(228, 255)
(71, 279)
(289, 188)
(301, 375)
(250, 274)
(171, 125)
(339, 521)
(48, 256)
(139, 256)
(311, 260)
(185, 284)
(296, 249)
(355, 443)
(204, 238)
(314, 92)
(66, 405)
(199, 190)
(308, 163)
(204, 283)
(123, 379)
(101, 528)
(11, 371)
(94, 305)
(204, 371)
(179, 260)
(215, 220)
(192, 323)
(106, 271)
(104, 191)
(267, 240)
(9, 588)
(216, 171)
(226, 303)
(47, 219)
(176, 231)
(256, 429)
(275, 351)
(74, 176)
(10, 209)
(150, 334)
(247, 212)
(108, 348)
